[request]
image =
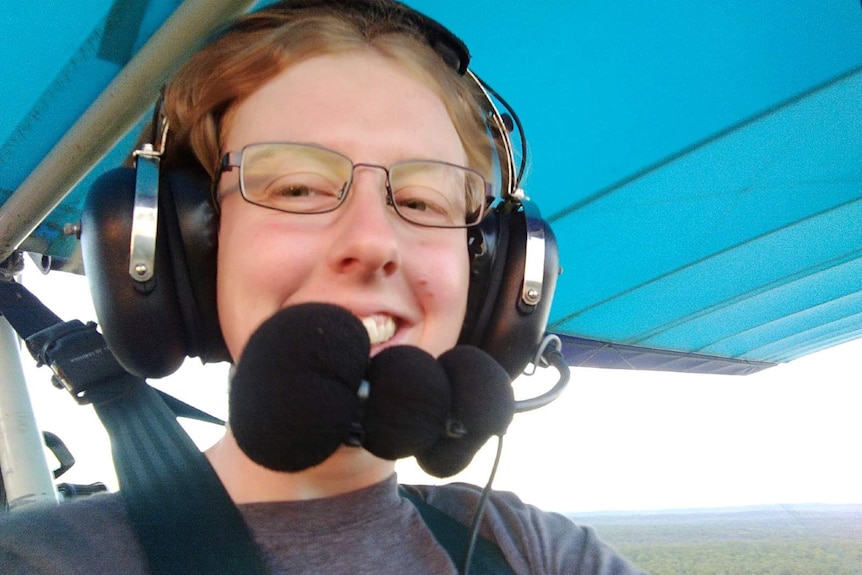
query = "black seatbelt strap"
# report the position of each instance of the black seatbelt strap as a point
(204, 532)
(184, 518)
(454, 537)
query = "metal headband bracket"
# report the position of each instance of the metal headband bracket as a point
(142, 246)
(534, 263)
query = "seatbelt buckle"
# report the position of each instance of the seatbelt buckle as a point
(80, 359)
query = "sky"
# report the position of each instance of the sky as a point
(614, 441)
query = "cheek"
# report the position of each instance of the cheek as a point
(229, 289)
(247, 288)
(442, 282)
(457, 283)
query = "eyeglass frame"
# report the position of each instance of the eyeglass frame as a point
(234, 159)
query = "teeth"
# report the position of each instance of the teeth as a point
(380, 329)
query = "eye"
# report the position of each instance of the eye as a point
(301, 192)
(415, 204)
(295, 191)
(425, 206)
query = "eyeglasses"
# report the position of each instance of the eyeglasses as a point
(309, 179)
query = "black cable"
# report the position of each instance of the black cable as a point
(4, 507)
(521, 135)
(480, 509)
(554, 359)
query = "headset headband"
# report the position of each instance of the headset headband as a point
(440, 38)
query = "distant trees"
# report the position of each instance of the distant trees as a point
(817, 542)
(735, 558)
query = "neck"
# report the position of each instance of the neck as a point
(346, 470)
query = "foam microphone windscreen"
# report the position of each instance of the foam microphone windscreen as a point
(483, 403)
(409, 403)
(293, 395)
(483, 399)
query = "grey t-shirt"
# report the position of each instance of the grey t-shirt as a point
(370, 531)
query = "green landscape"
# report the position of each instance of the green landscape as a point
(774, 540)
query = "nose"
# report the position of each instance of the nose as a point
(367, 243)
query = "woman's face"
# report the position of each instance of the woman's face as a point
(362, 256)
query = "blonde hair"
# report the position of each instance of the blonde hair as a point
(199, 100)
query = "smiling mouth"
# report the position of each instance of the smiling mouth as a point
(380, 328)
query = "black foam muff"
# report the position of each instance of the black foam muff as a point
(153, 326)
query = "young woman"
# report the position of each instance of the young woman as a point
(349, 159)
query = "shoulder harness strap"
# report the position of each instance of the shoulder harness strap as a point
(454, 537)
(181, 513)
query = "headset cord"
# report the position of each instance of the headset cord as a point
(480, 509)
(550, 355)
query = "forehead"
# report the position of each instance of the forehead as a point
(360, 103)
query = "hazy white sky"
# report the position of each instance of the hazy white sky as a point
(615, 440)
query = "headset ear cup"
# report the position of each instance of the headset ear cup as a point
(141, 322)
(487, 246)
(193, 234)
(513, 330)
(151, 327)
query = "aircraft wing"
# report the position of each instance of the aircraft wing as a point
(700, 162)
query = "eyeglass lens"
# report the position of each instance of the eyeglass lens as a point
(306, 179)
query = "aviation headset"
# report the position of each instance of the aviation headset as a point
(149, 242)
